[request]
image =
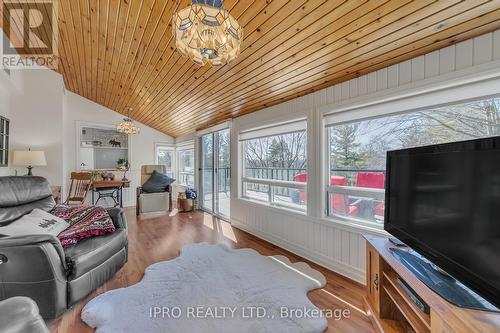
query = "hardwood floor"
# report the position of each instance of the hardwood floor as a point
(159, 237)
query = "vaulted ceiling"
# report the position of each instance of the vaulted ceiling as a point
(120, 53)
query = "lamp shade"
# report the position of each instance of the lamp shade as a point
(206, 33)
(29, 158)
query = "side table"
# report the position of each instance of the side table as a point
(185, 205)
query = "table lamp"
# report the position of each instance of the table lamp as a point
(29, 158)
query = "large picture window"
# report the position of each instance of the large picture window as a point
(357, 151)
(275, 166)
(185, 159)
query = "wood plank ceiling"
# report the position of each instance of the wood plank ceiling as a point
(120, 53)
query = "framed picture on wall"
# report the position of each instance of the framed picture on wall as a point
(4, 142)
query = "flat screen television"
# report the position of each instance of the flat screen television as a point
(444, 202)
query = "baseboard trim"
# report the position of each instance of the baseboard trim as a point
(336, 266)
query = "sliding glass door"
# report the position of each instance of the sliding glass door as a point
(215, 173)
(223, 172)
(207, 172)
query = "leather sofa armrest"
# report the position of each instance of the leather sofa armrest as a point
(118, 217)
(35, 266)
(21, 314)
(34, 240)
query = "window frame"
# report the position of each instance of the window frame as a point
(272, 183)
(170, 148)
(347, 190)
(179, 150)
(4, 142)
(359, 114)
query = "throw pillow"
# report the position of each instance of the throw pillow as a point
(35, 223)
(157, 183)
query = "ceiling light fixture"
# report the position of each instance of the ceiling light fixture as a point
(127, 126)
(206, 33)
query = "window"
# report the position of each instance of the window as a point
(101, 148)
(165, 156)
(275, 165)
(186, 167)
(4, 142)
(358, 149)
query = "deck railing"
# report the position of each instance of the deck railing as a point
(255, 174)
(284, 174)
(186, 178)
(222, 177)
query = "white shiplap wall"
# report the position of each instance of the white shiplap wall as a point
(336, 245)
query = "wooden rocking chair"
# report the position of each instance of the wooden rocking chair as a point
(80, 186)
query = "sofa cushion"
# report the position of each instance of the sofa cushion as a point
(22, 190)
(153, 202)
(38, 222)
(20, 195)
(80, 287)
(92, 252)
(157, 183)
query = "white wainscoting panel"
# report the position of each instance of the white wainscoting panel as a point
(339, 250)
(477, 51)
(129, 194)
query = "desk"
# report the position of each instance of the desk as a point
(109, 189)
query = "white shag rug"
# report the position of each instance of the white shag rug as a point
(211, 288)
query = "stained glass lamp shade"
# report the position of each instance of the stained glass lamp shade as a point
(127, 126)
(206, 33)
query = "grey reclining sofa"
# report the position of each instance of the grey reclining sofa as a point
(36, 266)
(21, 315)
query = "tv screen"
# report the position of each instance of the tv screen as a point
(444, 202)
